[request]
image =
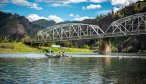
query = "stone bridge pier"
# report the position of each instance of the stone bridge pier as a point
(105, 46)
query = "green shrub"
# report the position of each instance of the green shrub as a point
(86, 47)
(26, 39)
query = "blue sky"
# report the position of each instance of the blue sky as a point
(62, 10)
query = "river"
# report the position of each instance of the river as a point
(79, 69)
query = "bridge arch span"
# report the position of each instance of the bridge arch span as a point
(130, 25)
(71, 31)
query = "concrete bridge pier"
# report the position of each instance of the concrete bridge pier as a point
(105, 46)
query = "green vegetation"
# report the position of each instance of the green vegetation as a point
(16, 47)
(66, 49)
(134, 8)
(26, 39)
(139, 6)
(86, 46)
(20, 47)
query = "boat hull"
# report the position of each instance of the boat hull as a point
(56, 56)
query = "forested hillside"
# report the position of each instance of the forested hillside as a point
(128, 44)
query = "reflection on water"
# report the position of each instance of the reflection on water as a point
(73, 70)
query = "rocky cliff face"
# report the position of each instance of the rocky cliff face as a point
(13, 26)
(19, 29)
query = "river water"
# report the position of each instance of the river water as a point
(78, 69)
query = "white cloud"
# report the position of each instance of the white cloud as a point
(21, 2)
(55, 18)
(78, 17)
(71, 1)
(104, 12)
(34, 17)
(35, 6)
(115, 9)
(92, 6)
(26, 3)
(62, 1)
(97, 1)
(73, 15)
(122, 2)
(82, 18)
(58, 3)
(51, 1)
(75, 1)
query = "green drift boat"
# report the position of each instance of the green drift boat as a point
(55, 56)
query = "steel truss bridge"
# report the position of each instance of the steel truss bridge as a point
(130, 25)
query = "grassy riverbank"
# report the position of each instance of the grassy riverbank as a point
(66, 49)
(16, 47)
(13, 47)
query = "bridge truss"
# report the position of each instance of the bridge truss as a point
(73, 31)
(130, 25)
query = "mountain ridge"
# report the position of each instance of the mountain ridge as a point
(43, 23)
